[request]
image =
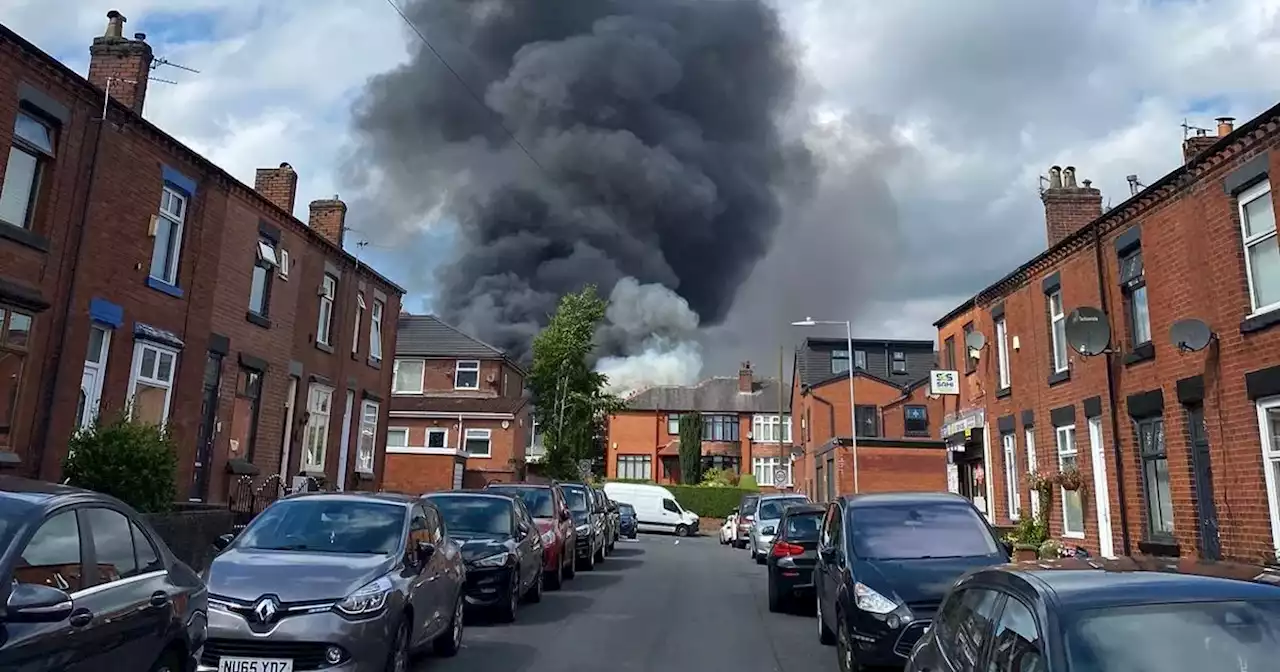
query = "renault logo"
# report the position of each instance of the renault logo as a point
(266, 609)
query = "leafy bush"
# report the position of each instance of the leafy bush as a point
(720, 478)
(708, 502)
(134, 462)
(748, 482)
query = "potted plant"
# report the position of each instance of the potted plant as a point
(1050, 549)
(1038, 482)
(1070, 479)
(1027, 538)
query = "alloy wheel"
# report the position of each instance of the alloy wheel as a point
(400, 657)
(457, 624)
(843, 650)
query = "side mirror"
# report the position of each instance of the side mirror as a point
(423, 551)
(34, 603)
(769, 530)
(522, 530)
(223, 541)
(565, 515)
(829, 555)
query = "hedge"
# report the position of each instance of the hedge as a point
(709, 502)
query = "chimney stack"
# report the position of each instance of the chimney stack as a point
(279, 185)
(119, 65)
(329, 219)
(746, 382)
(1068, 207)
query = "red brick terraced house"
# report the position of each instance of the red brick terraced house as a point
(135, 273)
(460, 416)
(896, 417)
(1178, 449)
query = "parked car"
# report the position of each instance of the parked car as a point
(1107, 616)
(728, 528)
(588, 521)
(627, 525)
(794, 553)
(350, 581)
(746, 516)
(138, 608)
(547, 505)
(501, 546)
(656, 508)
(764, 524)
(615, 520)
(884, 563)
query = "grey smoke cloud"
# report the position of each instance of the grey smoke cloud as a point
(657, 127)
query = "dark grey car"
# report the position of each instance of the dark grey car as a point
(342, 582)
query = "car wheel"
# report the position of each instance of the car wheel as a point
(170, 661)
(449, 642)
(760, 558)
(535, 592)
(682, 531)
(398, 659)
(589, 562)
(507, 612)
(775, 600)
(825, 636)
(555, 577)
(600, 553)
(844, 649)
(571, 568)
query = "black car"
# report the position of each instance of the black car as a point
(793, 555)
(628, 524)
(1117, 615)
(136, 608)
(500, 544)
(885, 561)
(612, 521)
(589, 522)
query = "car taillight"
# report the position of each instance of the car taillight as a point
(782, 549)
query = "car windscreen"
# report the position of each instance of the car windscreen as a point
(803, 526)
(326, 526)
(1180, 637)
(472, 514)
(626, 509)
(537, 500)
(771, 509)
(916, 531)
(577, 499)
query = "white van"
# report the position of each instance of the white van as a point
(656, 508)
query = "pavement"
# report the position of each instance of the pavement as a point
(653, 606)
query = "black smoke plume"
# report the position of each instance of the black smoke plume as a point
(654, 131)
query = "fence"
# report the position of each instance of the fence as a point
(246, 500)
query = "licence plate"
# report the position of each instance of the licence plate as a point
(255, 665)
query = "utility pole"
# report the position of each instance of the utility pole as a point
(783, 455)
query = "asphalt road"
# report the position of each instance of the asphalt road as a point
(653, 606)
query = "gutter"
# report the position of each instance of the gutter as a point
(1109, 361)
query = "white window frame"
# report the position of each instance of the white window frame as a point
(355, 334)
(443, 432)
(396, 431)
(764, 428)
(135, 375)
(366, 445)
(1066, 436)
(395, 377)
(1002, 354)
(1267, 233)
(317, 428)
(375, 330)
(1270, 445)
(476, 435)
(1013, 503)
(470, 365)
(178, 219)
(324, 321)
(634, 462)
(93, 400)
(1058, 330)
(763, 468)
(1029, 438)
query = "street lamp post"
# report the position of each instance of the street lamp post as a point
(853, 414)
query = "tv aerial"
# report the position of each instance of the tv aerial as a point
(1088, 331)
(1191, 335)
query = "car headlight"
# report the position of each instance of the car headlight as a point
(549, 537)
(870, 601)
(493, 560)
(367, 600)
(583, 529)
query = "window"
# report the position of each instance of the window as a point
(437, 438)
(113, 543)
(965, 626)
(949, 352)
(397, 437)
(670, 505)
(1011, 499)
(913, 531)
(315, 441)
(673, 423)
(15, 334)
(355, 334)
(151, 383)
(722, 462)
(635, 467)
(52, 557)
(168, 234)
(466, 375)
(1029, 438)
(478, 443)
(868, 420)
(860, 361)
(408, 376)
(1058, 331)
(899, 362)
(1269, 431)
(719, 428)
(1155, 477)
(764, 468)
(244, 418)
(970, 362)
(1134, 285)
(375, 331)
(263, 270)
(95, 370)
(764, 428)
(32, 149)
(1017, 642)
(1261, 254)
(916, 420)
(1072, 506)
(145, 551)
(839, 361)
(1002, 353)
(368, 434)
(328, 294)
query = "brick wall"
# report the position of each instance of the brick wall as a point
(888, 469)
(416, 474)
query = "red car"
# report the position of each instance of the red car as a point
(546, 504)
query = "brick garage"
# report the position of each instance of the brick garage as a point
(1180, 241)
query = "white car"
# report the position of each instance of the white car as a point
(727, 530)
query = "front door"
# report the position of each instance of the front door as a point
(344, 448)
(208, 426)
(1202, 468)
(1102, 496)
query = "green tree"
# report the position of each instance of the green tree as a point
(690, 448)
(570, 401)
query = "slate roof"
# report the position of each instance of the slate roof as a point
(813, 360)
(429, 336)
(713, 395)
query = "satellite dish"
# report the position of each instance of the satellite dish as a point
(974, 340)
(1088, 331)
(1190, 335)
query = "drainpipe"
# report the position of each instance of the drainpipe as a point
(1111, 398)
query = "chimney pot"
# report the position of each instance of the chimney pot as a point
(1226, 125)
(1055, 178)
(141, 37)
(1069, 177)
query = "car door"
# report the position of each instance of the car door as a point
(1017, 642)
(530, 544)
(965, 629)
(670, 513)
(53, 556)
(826, 573)
(422, 581)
